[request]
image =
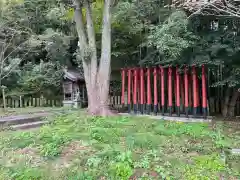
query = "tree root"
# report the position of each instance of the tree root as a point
(101, 111)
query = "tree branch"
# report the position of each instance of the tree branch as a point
(227, 11)
(12, 68)
(106, 33)
(78, 17)
(83, 44)
(14, 50)
(105, 61)
(216, 6)
(91, 42)
(5, 46)
(199, 10)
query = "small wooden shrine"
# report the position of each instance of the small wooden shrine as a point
(74, 88)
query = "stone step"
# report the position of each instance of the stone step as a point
(171, 118)
(21, 119)
(166, 115)
(28, 125)
(236, 151)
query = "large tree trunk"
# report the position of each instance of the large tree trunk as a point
(232, 104)
(104, 70)
(93, 100)
(225, 103)
(84, 48)
(96, 77)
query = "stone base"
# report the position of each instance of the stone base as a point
(171, 118)
(72, 104)
(67, 103)
(77, 104)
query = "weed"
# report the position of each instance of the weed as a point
(122, 168)
(19, 140)
(143, 141)
(144, 163)
(78, 175)
(93, 162)
(51, 141)
(105, 135)
(205, 167)
(219, 140)
(22, 172)
(116, 148)
(163, 173)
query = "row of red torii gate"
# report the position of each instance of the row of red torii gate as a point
(165, 89)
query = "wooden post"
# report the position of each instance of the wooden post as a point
(20, 99)
(34, 102)
(41, 100)
(138, 91)
(190, 93)
(4, 98)
(204, 93)
(123, 86)
(182, 92)
(178, 91)
(135, 91)
(30, 102)
(170, 90)
(149, 96)
(129, 90)
(194, 76)
(162, 90)
(142, 90)
(155, 91)
(25, 102)
(38, 102)
(186, 90)
(198, 97)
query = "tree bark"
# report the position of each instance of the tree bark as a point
(83, 46)
(82, 39)
(97, 78)
(105, 61)
(93, 98)
(225, 103)
(232, 103)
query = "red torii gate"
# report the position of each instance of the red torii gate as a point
(141, 100)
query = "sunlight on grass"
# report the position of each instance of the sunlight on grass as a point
(77, 146)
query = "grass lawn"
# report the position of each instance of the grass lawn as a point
(79, 147)
(27, 110)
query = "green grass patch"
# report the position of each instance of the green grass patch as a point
(76, 146)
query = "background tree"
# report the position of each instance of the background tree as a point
(217, 25)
